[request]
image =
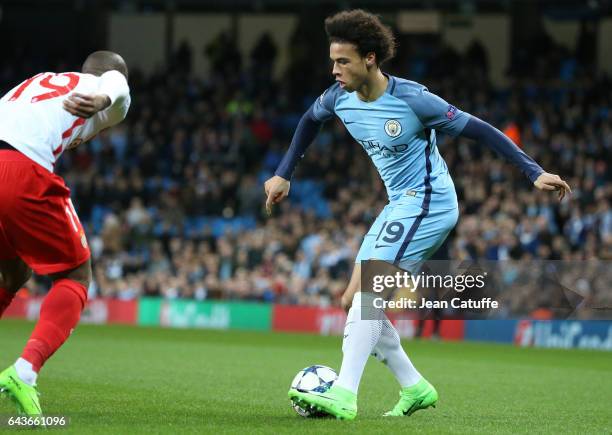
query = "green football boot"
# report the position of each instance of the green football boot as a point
(23, 395)
(337, 401)
(419, 396)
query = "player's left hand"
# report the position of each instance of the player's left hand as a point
(548, 181)
(86, 106)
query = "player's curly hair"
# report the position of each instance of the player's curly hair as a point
(363, 29)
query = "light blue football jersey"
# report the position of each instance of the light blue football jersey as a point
(398, 131)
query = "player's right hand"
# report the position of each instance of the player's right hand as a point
(86, 106)
(277, 189)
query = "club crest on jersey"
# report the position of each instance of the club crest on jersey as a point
(393, 128)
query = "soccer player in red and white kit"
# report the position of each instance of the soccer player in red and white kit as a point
(39, 228)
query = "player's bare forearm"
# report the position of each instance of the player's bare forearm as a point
(86, 106)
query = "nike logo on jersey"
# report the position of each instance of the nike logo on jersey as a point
(382, 246)
(348, 122)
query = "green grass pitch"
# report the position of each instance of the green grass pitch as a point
(114, 379)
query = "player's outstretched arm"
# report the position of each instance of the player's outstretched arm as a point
(277, 187)
(436, 113)
(484, 132)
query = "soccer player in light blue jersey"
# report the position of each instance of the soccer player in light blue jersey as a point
(395, 121)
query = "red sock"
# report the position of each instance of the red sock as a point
(59, 315)
(6, 298)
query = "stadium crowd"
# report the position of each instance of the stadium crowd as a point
(172, 198)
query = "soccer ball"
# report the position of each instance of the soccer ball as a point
(315, 378)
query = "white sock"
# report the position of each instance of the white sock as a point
(25, 372)
(360, 337)
(389, 350)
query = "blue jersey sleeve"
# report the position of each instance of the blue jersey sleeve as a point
(481, 131)
(435, 113)
(323, 108)
(306, 131)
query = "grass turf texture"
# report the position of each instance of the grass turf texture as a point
(113, 379)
